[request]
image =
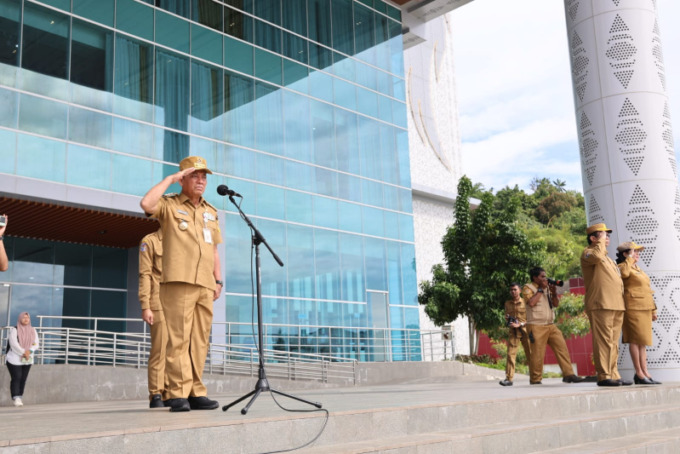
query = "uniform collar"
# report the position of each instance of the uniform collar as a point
(183, 198)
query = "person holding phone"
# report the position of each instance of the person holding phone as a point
(4, 261)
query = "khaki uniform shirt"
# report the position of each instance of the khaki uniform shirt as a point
(150, 266)
(541, 313)
(190, 235)
(604, 287)
(519, 310)
(638, 292)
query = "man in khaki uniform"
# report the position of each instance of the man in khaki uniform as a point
(150, 266)
(517, 310)
(604, 304)
(190, 280)
(541, 301)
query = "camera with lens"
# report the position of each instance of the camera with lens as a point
(510, 321)
(555, 282)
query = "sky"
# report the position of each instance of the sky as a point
(515, 98)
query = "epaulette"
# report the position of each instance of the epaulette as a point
(170, 196)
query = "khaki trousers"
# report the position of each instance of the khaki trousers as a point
(605, 326)
(188, 317)
(552, 336)
(513, 346)
(156, 365)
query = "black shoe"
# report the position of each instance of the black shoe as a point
(573, 379)
(179, 405)
(203, 403)
(505, 382)
(608, 382)
(654, 382)
(535, 382)
(642, 381)
(156, 401)
(624, 382)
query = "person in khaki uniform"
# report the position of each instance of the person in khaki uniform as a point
(604, 304)
(516, 317)
(640, 309)
(150, 266)
(190, 280)
(541, 301)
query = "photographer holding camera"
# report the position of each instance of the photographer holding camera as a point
(542, 299)
(516, 319)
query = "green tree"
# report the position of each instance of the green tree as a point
(484, 251)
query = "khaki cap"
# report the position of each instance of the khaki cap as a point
(196, 162)
(629, 245)
(597, 228)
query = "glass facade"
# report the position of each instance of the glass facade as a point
(297, 104)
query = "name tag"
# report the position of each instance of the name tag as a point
(183, 212)
(207, 236)
(208, 217)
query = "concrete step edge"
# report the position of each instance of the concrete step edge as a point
(670, 437)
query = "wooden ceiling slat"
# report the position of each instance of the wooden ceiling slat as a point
(52, 222)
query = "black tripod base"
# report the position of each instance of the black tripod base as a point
(263, 385)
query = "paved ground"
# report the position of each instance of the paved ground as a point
(36, 423)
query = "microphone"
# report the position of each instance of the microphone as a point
(223, 189)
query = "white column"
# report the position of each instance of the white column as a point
(629, 169)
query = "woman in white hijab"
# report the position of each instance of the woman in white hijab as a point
(23, 342)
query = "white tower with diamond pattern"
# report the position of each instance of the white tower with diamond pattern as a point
(629, 169)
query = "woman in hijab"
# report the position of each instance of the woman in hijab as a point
(640, 309)
(23, 342)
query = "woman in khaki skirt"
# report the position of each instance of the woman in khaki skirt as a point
(640, 309)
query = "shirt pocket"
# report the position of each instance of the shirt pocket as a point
(181, 222)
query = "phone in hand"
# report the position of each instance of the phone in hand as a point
(3, 221)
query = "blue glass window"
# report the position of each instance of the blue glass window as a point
(134, 17)
(297, 126)
(239, 93)
(133, 79)
(299, 176)
(41, 158)
(409, 276)
(376, 278)
(89, 127)
(131, 175)
(45, 41)
(269, 169)
(326, 182)
(323, 134)
(342, 25)
(299, 207)
(97, 10)
(374, 223)
(42, 116)
(238, 55)
(268, 66)
(349, 217)
(295, 76)
(172, 90)
(364, 33)
(295, 16)
(268, 36)
(270, 202)
(9, 114)
(209, 13)
(347, 141)
(327, 261)
(406, 227)
(207, 100)
(8, 153)
(11, 31)
(133, 137)
(206, 44)
(269, 10)
(295, 47)
(172, 31)
(88, 167)
(352, 268)
(269, 118)
(238, 25)
(369, 146)
(326, 212)
(319, 18)
(394, 270)
(300, 262)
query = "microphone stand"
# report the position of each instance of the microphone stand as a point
(262, 382)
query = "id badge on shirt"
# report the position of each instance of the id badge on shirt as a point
(207, 235)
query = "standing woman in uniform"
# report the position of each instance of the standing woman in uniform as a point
(23, 342)
(640, 309)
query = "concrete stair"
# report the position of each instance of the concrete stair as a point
(637, 420)
(477, 417)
